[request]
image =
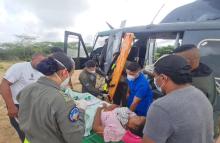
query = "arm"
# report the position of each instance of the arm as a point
(70, 130)
(7, 96)
(12, 75)
(97, 123)
(135, 103)
(88, 86)
(158, 127)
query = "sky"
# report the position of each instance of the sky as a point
(48, 19)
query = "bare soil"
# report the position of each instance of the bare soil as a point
(7, 132)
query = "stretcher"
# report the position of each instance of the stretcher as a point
(120, 63)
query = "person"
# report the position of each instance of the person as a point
(140, 95)
(202, 75)
(56, 49)
(122, 88)
(116, 123)
(184, 114)
(46, 114)
(88, 79)
(15, 79)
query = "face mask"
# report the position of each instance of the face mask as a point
(130, 77)
(157, 86)
(92, 72)
(65, 83)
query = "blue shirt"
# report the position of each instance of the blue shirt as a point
(141, 89)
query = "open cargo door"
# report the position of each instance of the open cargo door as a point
(75, 47)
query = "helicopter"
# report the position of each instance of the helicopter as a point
(197, 23)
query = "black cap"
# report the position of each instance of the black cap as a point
(184, 48)
(90, 64)
(172, 65)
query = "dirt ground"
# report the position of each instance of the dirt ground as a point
(7, 133)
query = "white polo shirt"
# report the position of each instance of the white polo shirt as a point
(21, 75)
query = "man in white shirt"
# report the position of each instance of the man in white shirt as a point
(15, 79)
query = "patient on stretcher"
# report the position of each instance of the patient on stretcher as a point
(118, 124)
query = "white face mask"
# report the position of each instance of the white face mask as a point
(133, 77)
(157, 86)
(93, 72)
(65, 83)
(130, 77)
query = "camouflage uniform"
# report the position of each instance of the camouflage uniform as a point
(88, 81)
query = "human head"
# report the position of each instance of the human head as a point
(136, 124)
(191, 53)
(36, 59)
(90, 66)
(132, 69)
(170, 72)
(57, 65)
(56, 49)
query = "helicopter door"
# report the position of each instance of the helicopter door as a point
(75, 48)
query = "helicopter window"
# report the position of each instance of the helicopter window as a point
(210, 55)
(82, 52)
(158, 47)
(100, 42)
(72, 50)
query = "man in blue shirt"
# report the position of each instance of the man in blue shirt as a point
(140, 95)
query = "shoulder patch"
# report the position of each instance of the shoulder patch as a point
(74, 114)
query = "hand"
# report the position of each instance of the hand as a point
(13, 111)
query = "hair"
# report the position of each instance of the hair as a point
(56, 49)
(37, 55)
(138, 130)
(133, 66)
(184, 48)
(90, 64)
(54, 63)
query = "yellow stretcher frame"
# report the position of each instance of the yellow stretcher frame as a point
(120, 63)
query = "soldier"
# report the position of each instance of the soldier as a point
(88, 79)
(46, 114)
(202, 76)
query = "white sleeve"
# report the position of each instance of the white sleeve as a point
(13, 74)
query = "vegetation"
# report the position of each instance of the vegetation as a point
(26, 46)
(160, 51)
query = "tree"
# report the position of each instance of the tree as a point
(163, 51)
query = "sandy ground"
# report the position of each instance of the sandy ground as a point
(7, 133)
